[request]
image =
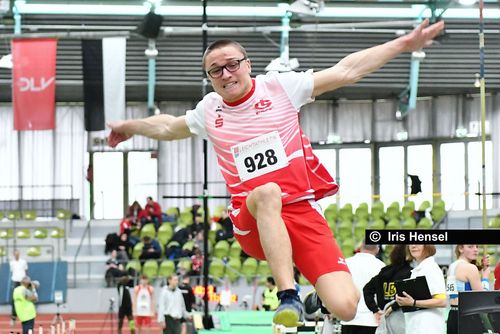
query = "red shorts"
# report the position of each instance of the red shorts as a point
(143, 321)
(315, 251)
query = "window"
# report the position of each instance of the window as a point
(108, 185)
(391, 171)
(355, 176)
(453, 175)
(474, 163)
(420, 164)
(142, 177)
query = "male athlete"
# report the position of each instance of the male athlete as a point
(268, 164)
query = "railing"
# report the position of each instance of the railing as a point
(85, 232)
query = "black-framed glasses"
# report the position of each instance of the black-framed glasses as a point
(232, 66)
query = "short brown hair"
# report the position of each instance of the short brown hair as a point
(429, 250)
(218, 44)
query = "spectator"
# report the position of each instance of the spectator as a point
(380, 291)
(196, 226)
(270, 301)
(196, 262)
(25, 297)
(113, 270)
(124, 248)
(429, 317)
(151, 213)
(19, 270)
(134, 212)
(189, 302)
(125, 304)
(363, 266)
(151, 249)
(171, 307)
(273, 204)
(463, 275)
(143, 305)
(126, 225)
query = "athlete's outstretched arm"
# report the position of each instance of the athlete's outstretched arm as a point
(357, 65)
(160, 127)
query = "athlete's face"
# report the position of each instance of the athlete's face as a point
(469, 252)
(232, 86)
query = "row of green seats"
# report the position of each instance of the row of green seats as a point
(37, 233)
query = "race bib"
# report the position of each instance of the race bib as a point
(259, 156)
(451, 287)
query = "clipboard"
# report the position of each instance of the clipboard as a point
(416, 287)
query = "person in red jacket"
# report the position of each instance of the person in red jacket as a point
(151, 213)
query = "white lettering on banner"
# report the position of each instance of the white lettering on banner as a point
(259, 156)
(29, 84)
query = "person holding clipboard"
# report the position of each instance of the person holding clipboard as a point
(426, 315)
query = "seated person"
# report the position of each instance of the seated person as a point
(114, 270)
(124, 249)
(151, 213)
(151, 249)
(134, 212)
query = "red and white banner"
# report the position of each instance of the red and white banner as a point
(34, 83)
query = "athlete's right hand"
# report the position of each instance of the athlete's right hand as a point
(117, 134)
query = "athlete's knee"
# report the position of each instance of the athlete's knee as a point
(267, 194)
(346, 309)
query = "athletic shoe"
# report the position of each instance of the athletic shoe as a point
(290, 313)
(313, 303)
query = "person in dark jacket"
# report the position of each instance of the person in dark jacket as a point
(380, 291)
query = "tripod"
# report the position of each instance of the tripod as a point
(58, 321)
(110, 317)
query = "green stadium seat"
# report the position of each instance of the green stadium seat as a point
(13, 215)
(167, 268)
(392, 212)
(216, 269)
(378, 224)
(233, 269)
(362, 212)
(57, 233)
(331, 213)
(408, 210)
(438, 211)
(63, 214)
(377, 211)
(188, 246)
(235, 250)
(137, 250)
(23, 233)
(249, 268)
(494, 222)
(345, 213)
(344, 229)
(185, 265)
(409, 224)
(40, 233)
(347, 247)
(2, 215)
(34, 251)
(393, 224)
(29, 215)
(303, 281)
(150, 269)
(165, 233)
(2, 252)
(6, 234)
(135, 265)
(185, 219)
(263, 271)
(221, 249)
(359, 230)
(148, 230)
(424, 224)
(424, 206)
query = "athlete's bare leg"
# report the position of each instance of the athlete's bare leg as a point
(338, 294)
(264, 203)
